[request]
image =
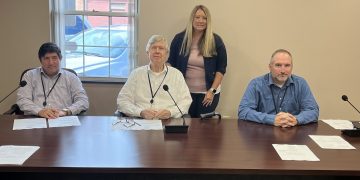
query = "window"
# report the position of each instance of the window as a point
(97, 37)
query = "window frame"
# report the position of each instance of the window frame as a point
(58, 34)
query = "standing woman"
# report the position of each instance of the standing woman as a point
(201, 56)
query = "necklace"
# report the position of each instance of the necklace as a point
(151, 90)
(42, 82)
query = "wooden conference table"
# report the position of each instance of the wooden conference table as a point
(212, 149)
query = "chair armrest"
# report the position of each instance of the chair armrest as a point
(119, 114)
(82, 113)
(13, 110)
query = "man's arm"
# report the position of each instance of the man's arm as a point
(249, 105)
(309, 109)
(80, 101)
(25, 96)
(126, 97)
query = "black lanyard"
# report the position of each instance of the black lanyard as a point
(42, 82)
(151, 91)
(282, 100)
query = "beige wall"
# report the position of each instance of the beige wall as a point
(24, 25)
(323, 36)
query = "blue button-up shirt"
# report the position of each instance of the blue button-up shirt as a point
(262, 95)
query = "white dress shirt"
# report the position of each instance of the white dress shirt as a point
(135, 95)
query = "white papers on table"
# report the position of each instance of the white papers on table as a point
(64, 121)
(137, 124)
(295, 152)
(339, 124)
(29, 123)
(17, 155)
(331, 142)
(32, 123)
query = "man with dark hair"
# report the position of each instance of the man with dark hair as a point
(279, 98)
(51, 91)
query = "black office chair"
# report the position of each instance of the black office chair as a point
(119, 114)
(15, 109)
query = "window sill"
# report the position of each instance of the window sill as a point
(101, 80)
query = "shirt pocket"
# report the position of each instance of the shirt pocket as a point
(291, 106)
(266, 103)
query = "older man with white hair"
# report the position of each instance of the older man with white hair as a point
(143, 94)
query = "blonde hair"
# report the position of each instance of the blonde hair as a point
(207, 46)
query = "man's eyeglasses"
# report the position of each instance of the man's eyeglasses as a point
(126, 123)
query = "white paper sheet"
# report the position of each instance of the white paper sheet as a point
(339, 123)
(295, 152)
(30, 123)
(137, 124)
(16, 155)
(64, 121)
(331, 142)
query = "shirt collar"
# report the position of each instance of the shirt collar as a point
(43, 72)
(162, 72)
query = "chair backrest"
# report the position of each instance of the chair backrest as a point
(70, 70)
(15, 109)
(22, 74)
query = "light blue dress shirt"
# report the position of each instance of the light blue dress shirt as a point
(67, 93)
(262, 95)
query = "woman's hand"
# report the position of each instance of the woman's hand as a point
(208, 99)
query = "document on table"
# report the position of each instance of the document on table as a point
(30, 123)
(331, 142)
(64, 121)
(136, 124)
(295, 152)
(16, 155)
(339, 124)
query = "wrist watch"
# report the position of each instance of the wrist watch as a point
(213, 90)
(67, 112)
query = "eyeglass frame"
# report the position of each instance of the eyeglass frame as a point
(133, 123)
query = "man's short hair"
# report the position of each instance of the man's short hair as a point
(49, 47)
(280, 51)
(157, 38)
